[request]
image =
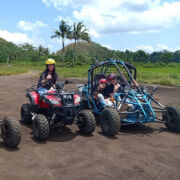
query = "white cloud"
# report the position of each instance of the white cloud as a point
(93, 33)
(162, 47)
(46, 2)
(59, 4)
(107, 46)
(71, 21)
(30, 26)
(20, 38)
(146, 48)
(123, 15)
(16, 37)
(157, 47)
(67, 19)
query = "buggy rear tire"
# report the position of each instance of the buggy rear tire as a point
(172, 118)
(41, 127)
(86, 122)
(26, 116)
(110, 122)
(11, 132)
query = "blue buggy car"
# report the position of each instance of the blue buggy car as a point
(132, 104)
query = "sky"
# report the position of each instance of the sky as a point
(150, 25)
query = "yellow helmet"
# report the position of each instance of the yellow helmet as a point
(50, 61)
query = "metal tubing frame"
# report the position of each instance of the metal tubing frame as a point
(132, 96)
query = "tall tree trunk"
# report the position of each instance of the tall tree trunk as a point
(74, 53)
(63, 50)
(7, 60)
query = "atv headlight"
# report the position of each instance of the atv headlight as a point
(54, 101)
(77, 100)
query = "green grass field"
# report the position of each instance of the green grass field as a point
(163, 76)
(155, 75)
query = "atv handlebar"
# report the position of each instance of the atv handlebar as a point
(58, 85)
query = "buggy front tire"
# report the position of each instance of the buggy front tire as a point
(41, 127)
(110, 122)
(26, 116)
(172, 118)
(11, 132)
(86, 122)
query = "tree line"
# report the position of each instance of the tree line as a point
(75, 54)
(76, 32)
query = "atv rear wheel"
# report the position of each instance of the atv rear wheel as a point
(110, 121)
(172, 118)
(41, 127)
(26, 116)
(86, 122)
(11, 132)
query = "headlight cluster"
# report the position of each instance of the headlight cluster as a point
(77, 99)
(54, 101)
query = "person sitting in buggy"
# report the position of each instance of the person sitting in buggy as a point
(48, 77)
(113, 86)
(99, 91)
(104, 92)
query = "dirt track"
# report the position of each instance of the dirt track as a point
(143, 152)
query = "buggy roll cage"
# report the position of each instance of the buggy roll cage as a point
(127, 66)
(131, 75)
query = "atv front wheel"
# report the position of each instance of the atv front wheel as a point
(86, 122)
(26, 116)
(110, 121)
(172, 118)
(11, 131)
(41, 127)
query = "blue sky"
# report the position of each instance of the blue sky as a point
(151, 25)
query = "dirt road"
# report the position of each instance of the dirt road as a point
(143, 152)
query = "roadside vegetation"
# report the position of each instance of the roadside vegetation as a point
(75, 59)
(166, 75)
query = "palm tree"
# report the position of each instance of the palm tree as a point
(79, 32)
(63, 31)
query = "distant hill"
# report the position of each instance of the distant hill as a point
(87, 51)
(3, 40)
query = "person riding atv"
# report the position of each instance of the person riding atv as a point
(48, 77)
(51, 106)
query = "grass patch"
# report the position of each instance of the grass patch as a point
(167, 75)
(8, 70)
(163, 76)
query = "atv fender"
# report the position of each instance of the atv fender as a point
(33, 97)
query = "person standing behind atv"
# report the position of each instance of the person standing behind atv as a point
(48, 77)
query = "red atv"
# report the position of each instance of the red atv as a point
(10, 132)
(54, 110)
